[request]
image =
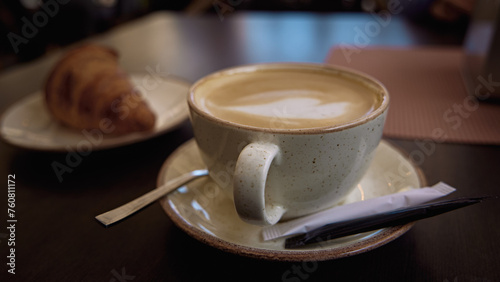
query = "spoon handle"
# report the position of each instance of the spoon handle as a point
(132, 207)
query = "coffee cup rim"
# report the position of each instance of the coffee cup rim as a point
(353, 74)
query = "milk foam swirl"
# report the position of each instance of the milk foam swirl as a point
(287, 99)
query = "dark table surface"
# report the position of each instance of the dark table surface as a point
(57, 238)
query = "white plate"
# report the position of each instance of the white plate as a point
(28, 123)
(206, 213)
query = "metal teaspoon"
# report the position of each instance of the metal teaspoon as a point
(132, 207)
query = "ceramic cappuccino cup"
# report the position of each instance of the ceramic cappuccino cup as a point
(286, 140)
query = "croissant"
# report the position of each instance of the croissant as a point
(87, 89)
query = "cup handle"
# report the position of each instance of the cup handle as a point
(249, 184)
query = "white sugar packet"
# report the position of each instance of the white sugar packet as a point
(359, 209)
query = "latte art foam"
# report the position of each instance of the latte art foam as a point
(293, 107)
(286, 99)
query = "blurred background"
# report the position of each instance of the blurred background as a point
(58, 23)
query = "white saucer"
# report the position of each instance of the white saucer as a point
(28, 123)
(203, 211)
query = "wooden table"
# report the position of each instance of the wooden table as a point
(57, 238)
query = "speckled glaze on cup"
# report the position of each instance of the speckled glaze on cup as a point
(276, 174)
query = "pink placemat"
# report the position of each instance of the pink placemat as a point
(428, 95)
